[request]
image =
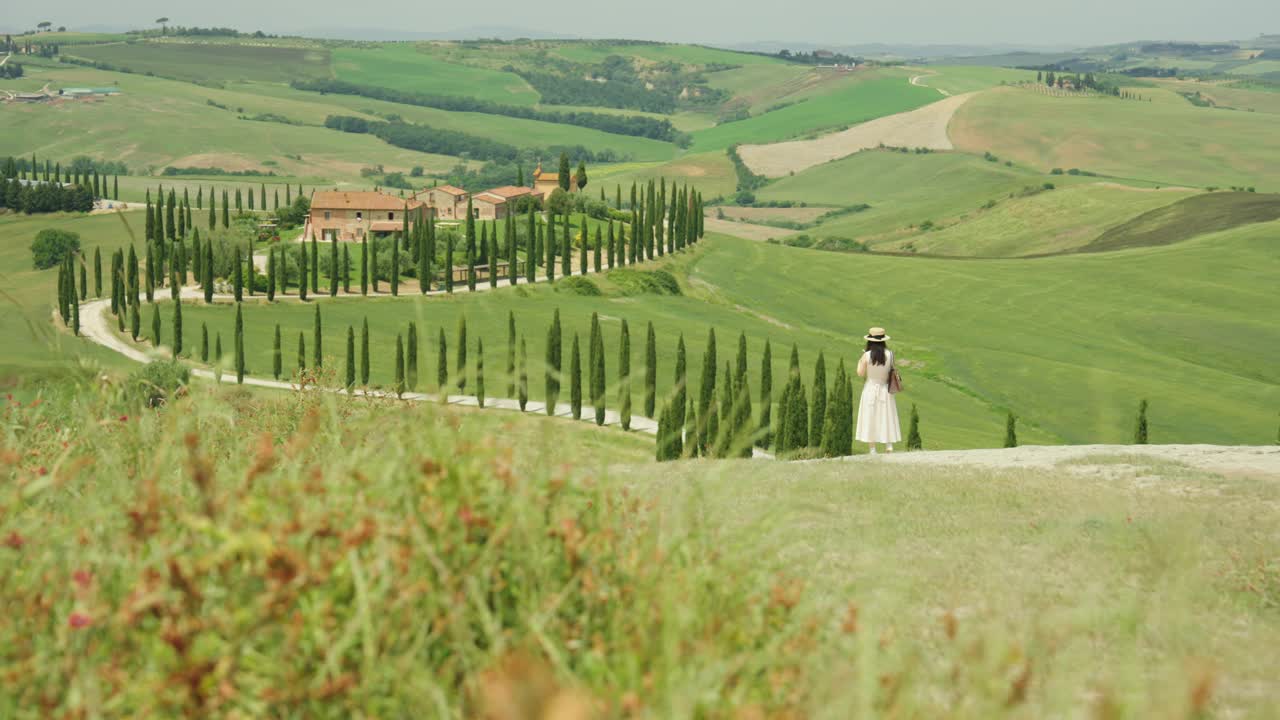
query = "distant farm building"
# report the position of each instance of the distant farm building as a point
(448, 202)
(88, 92)
(353, 216)
(544, 183)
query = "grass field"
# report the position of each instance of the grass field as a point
(1262, 67)
(203, 62)
(158, 122)
(596, 51)
(711, 173)
(902, 189)
(1054, 340)
(1166, 143)
(1048, 222)
(957, 79)
(861, 97)
(1183, 220)
(404, 67)
(1231, 96)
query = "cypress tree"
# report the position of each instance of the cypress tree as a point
(765, 436)
(564, 172)
(302, 272)
(208, 272)
(177, 327)
(550, 243)
(262, 197)
(1140, 427)
(84, 278)
(364, 266)
(513, 265)
(511, 354)
(743, 429)
(448, 263)
(115, 187)
(226, 212)
(682, 396)
(913, 433)
(595, 259)
(493, 256)
(346, 269)
(1011, 431)
(275, 199)
(531, 249)
(553, 363)
(333, 266)
(818, 411)
(315, 265)
(399, 383)
(317, 347)
(239, 346)
(424, 266)
(442, 366)
(583, 235)
(150, 274)
(395, 266)
(217, 352)
(597, 370)
(609, 245)
(351, 359)
(480, 372)
(97, 272)
(239, 202)
(277, 355)
(798, 422)
(213, 218)
(364, 351)
(650, 371)
(575, 380)
(271, 276)
(204, 343)
(250, 198)
(707, 395)
(624, 377)
(471, 247)
(566, 254)
(148, 226)
(302, 352)
(75, 318)
(411, 357)
(155, 325)
(461, 352)
(524, 375)
(237, 273)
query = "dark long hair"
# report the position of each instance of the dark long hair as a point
(876, 348)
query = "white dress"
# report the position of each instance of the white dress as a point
(877, 412)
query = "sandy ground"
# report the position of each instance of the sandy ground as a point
(923, 127)
(1259, 461)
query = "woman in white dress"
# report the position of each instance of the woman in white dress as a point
(877, 413)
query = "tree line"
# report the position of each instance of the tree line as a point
(423, 138)
(630, 125)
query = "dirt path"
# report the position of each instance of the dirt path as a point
(915, 80)
(746, 231)
(1260, 461)
(6, 59)
(923, 127)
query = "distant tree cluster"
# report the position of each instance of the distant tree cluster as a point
(631, 125)
(820, 57)
(427, 139)
(11, 70)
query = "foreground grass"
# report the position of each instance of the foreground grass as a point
(239, 554)
(1111, 586)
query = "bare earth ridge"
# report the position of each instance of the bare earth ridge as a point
(923, 127)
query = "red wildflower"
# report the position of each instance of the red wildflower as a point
(42, 471)
(15, 540)
(82, 578)
(79, 620)
(124, 418)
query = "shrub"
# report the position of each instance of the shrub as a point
(156, 383)
(578, 285)
(51, 246)
(644, 282)
(745, 198)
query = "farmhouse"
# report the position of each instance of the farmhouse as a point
(351, 216)
(448, 202)
(498, 203)
(544, 183)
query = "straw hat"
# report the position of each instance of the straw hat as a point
(876, 334)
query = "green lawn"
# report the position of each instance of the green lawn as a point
(1171, 143)
(847, 101)
(1068, 343)
(711, 173)
(212, 62)
(404, 67)
(1262, 67)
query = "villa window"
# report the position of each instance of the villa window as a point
(391, 216)
(475, 213)
(328, 215)
(359, 215)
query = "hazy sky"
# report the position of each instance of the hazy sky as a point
(1036, 22)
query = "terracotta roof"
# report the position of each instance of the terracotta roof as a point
(363, 200)
(510, 191)
(489, 198)
(386, 226)
(451, 190)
